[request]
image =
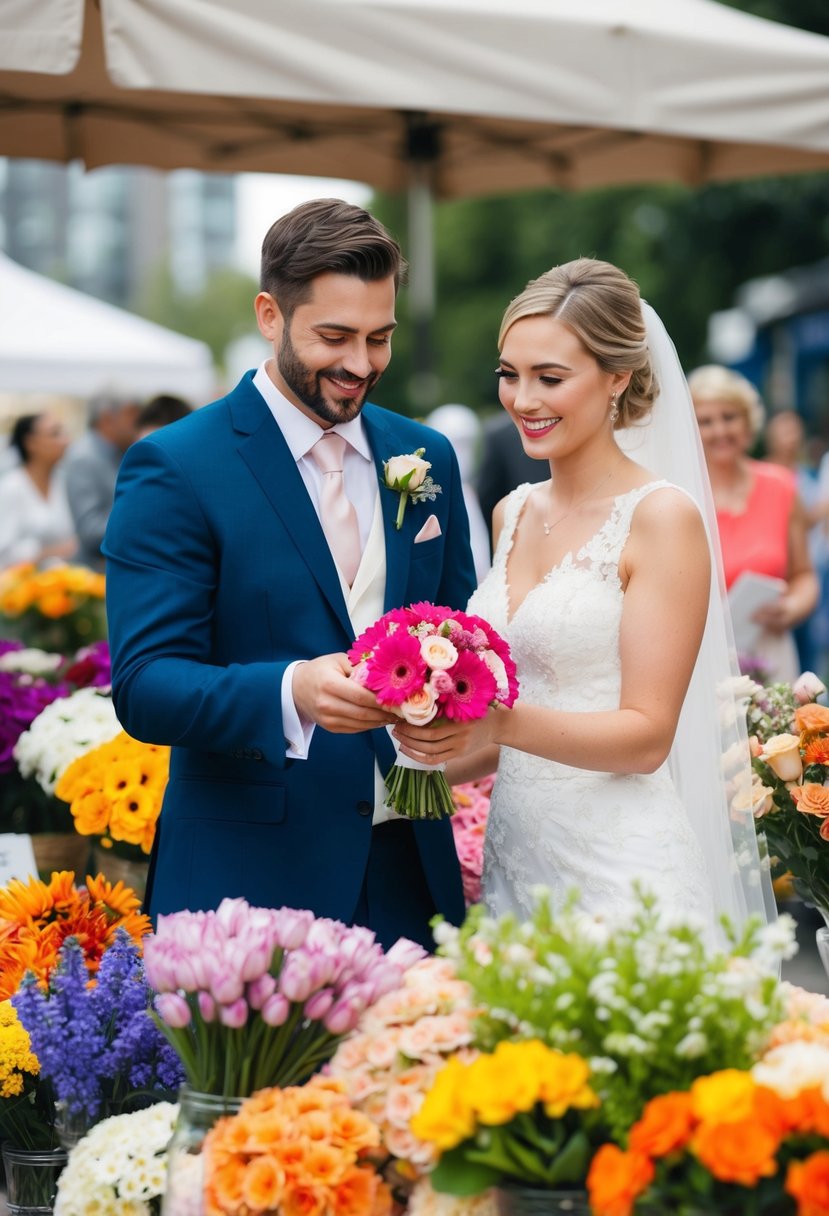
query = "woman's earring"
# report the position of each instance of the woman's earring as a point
(614, 407)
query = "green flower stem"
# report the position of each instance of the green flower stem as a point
(419, 793)
(401, 509)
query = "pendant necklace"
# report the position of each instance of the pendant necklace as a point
(605, 477)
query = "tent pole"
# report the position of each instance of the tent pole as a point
(422, 147)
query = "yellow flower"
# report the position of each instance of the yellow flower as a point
(446, 1117)
(564, 1084)
(500, 1085)
(16, 1055)
(724, 1097)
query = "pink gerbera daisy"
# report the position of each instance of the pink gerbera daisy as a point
(433, 613)
(474, 689)
(396, 669)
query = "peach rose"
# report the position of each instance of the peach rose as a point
(812, 799)
(421, 707)
(782, 754)
(811, 718)
(754, 797)
(399, 467)
(438, 653)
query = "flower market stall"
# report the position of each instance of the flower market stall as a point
(258, 1061)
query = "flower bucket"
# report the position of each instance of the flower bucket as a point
(538, 1201)
(32, 1179)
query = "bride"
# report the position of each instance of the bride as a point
(623, 758)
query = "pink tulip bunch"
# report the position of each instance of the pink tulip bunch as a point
(255, 997)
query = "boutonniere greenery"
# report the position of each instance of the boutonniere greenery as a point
(409, 476)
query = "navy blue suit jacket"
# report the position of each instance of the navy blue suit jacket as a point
(218, 576)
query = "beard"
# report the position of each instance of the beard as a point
(307, 385)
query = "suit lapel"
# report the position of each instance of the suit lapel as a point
(267, 455)
(384, 445)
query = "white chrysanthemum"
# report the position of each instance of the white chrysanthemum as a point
(32, 662)
(118, 1166)
(65, 730)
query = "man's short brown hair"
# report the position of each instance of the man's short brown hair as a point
(325, 236)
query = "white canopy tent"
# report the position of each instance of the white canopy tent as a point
(494, 96)
(54, 339)
(443, 98)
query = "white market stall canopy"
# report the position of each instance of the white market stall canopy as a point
(494, 95)
(54, 339)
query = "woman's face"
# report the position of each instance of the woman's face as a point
(724, 430)
(47, 440)
(553, 389)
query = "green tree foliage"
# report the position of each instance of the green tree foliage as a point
(219, 313)
(689, 250)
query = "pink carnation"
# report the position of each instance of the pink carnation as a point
(396, 668)
(474, 689)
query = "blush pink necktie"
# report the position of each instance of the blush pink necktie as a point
(337, 514)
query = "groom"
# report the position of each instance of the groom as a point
(248, 545)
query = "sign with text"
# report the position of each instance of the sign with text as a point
(17, 858)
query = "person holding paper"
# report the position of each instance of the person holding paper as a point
(761, 521)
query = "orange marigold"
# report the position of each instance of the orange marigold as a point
(740, 1151)
(817, 752)
(616, 1179)
(808, 1182)
(666, 1125)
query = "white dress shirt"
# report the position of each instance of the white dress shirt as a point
(359, 474)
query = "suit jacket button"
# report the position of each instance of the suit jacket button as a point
(256, 754)
(364, 808)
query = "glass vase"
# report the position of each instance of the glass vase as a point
(538, 1201)
(32, 1179)
(822, 938)
(185, 1170)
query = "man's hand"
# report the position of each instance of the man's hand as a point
(324, 694)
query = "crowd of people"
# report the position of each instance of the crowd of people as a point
(56, 497)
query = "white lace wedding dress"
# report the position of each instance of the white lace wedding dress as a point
(563, 827)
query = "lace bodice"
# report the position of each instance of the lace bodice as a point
(565, 635)
(553, 824)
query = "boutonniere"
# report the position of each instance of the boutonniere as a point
(409, 477)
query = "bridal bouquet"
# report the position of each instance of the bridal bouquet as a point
(424, 662)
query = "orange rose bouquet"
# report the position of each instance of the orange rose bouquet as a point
(302, 1149)
(790, 800)
(736, 1142)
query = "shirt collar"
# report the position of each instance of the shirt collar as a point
(301, 432)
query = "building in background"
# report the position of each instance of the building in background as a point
(106, 231)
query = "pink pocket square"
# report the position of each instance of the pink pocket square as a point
(429, 531)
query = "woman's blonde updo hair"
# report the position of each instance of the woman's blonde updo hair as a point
(603, 308)
(716, 383)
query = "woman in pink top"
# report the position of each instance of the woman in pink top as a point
(761, 521)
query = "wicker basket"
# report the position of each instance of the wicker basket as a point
(61, 851)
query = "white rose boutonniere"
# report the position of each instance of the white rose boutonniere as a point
(409, 476)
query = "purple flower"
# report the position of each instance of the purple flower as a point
(22, 698)
(97, 1045)
(90, 668)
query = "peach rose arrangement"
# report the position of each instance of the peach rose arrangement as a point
(302, 1149)
(788, 796)
(390, 1061)
(736, 1141)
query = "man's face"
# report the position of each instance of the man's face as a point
(335, 347)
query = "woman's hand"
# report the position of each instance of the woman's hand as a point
(443, 740)
(779, 616)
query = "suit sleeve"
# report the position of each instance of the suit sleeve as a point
(162, 573)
